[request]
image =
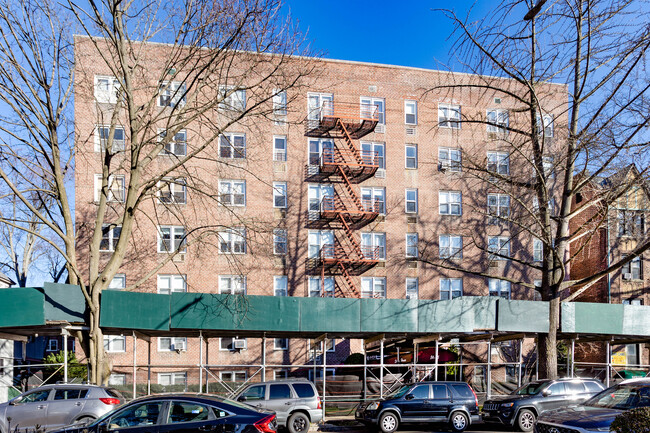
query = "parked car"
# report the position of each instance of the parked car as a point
(522, 407)
(54, 406)
(295, 401)
(182, 413)
(597, 413)
(452, 403)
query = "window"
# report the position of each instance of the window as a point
(52, 345)
(167, 379)
(118, 282)
(633, 270)
(279, 391)
(411, 200)
(498, 121)
(376, 106)
(412, 288)
(498, 208)
(545, 122)
(171, 239)
(374, 154)
(630, 223)
(177, 145)
(115, 188)
(279, 242)
(115, 343)
(373, 245)
(304, 390)
(280, 106)
(168, 284)
(450, 246)
(449, 159)
(498, 163)
(449, 116)
(232, 98)
(233, 343)
(320, 243)
(280, 194)
(103, 138)
(232, 284)
(320, 149)
(110, 236)
(282, 374)
(499, 288)
(548, 166)
(319, 104)
(373, 287)
(451, 288)
(411, 151)
(106, 89)
(281, 344)
(321, 287)
(410, 112)
(280, 285)
(279, 148)
(232, 241)
(232, 192)
(538, 250)
(186, 411)
(141, 414)
(172, 190)
(450, 203)
(320, 194)
(233, 376)
(374, 199)
(411, 245)
(232, 145)
(172, 94)
(257, 392)
(117, 379)
(168, 344)
(499, 247)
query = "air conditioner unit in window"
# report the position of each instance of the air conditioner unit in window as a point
(239, 344)
(380, 173)
(443, 166)
(411, 130)
(627, 276)
(179, 258)
(380, 129)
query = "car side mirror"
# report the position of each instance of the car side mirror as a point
(409, 397)
(241, 398)
(547, 392)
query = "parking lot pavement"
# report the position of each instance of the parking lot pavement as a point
(350, 426)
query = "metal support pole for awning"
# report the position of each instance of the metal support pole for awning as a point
(381, 368)
(537, 359)
(488, 380)
(521, 361)
(436, 363)
(573, 357)
(149, 367)
(207, 362)
(264, 358)
(323, 345)
(365, 372)
(65, 334)
(200, 361)
(135, 364)
(608, 371)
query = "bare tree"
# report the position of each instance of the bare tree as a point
(160, 83)
(547, 152)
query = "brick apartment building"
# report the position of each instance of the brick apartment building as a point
(340, 218)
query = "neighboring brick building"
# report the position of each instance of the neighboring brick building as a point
(407, 196)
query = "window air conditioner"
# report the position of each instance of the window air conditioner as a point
(239, 344)
(627, 276)
(443, 166)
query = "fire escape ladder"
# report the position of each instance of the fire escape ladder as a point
(350, 235)
(349, 281)
(348, 187)
(348, 141)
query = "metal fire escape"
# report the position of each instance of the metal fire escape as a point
(344, 212)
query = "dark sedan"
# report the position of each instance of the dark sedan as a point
(182, 413)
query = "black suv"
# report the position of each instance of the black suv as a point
(523, 406)
(454, 403)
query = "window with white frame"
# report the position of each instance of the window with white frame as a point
(279, 106)
(279, 148)
(545, 122)
(115, 343)
(320, 242)
(52, 344)
(412, 288)
(374, 153)
(450, 246)
(103, 138)
(172, 94)
(411, 200)
(319, 104)
(280, 285)
(172, 190)
(280, 374)
(498, 121)
(374, 199)
(176, 145)
(117, 379)
(410, 112)
(538, 250)
(633, 270)
(281, 344)
(168, 344)
(499, 247)
(449, 116)
(320, 149)
(232, 241)
(373, 245)
(411, 152)
(232, 192)
(168, 379)
(280, 194)
(499, 287)
(373, 287)
(411, 250)
(232, 284)
(233, 376)
(110, 236)
(451, 288)
(279, 242)
(498, 208)
(226, 343)
(115, 188)
(550, 204)
(450, 203)
(376, 106)
(232, 145)
(449, 159)
(106, 89)
(321, 287)
(168, 284)
(118, 282)
(499, 163)
(232, 98)
(319, 192)
(630, 223)
(171, 239)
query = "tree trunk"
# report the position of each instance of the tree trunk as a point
(547, 356)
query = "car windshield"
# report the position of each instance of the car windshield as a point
(400, 392)
(623, 397)
(531, 388)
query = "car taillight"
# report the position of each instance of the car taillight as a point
(266, 424)
(319, 404)
(475, 397)
(115, 401)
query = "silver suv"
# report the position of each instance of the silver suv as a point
(55, 406)
(295, 401)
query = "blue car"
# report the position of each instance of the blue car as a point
(597, 413)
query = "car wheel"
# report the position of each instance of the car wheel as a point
(388, 422)
(298, 423)
(526, 420)
(459, 421)
(84, 420)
